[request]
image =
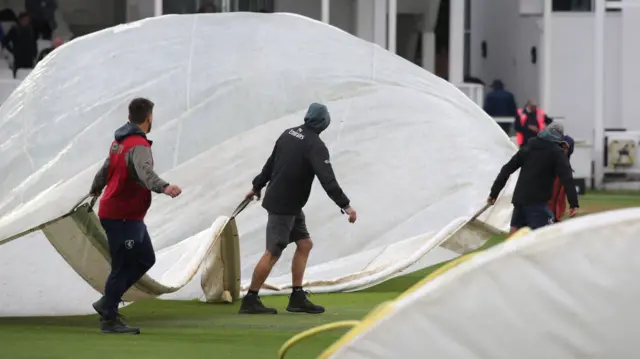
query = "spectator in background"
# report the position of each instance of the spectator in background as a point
(530, 121)
(500, 103)
(21, 43)
(42, 13)
(207, 7)
(8, 15)
(55, 44)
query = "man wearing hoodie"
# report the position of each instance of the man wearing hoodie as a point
(540, 162)
(298, 156)
(557, 203)
(129, 178)
(500, 103)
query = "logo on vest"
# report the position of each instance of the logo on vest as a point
(129, 243)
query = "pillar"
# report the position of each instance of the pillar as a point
(371, 21)
(598, 89)
(392, 27)
(157, 8)
(326, 10)
(545, 66)
(456, 41)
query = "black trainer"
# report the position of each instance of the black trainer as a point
(299, 303)
(99, 306)
(116, 326)
(251, 304)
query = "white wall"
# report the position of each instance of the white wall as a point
(139, 9)
(414, 6)
(371, 21)
(572, 72)
(531, 7)
(88, 12)
(630, 65)
(527, 74)
(308, 8)
(498, 23)
(342, 13)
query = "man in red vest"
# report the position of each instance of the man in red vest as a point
(557, 203)
(129, 178)
(529, 121)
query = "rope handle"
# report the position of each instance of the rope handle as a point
(480, 211)
(92, 203)
(241, 207)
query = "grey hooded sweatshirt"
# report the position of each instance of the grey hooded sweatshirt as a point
(298, 156)
(139, 164)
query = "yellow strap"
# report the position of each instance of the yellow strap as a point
(379, 312)
(383, 309)
(519, 233)
(313, 331)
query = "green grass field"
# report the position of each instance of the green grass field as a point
(173, 329)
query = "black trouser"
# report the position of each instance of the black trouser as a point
(506, 127)
(42, 29)
(132, 256)
(19, 63)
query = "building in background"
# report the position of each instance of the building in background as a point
(583, 69)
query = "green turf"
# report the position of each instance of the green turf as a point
(196, 330)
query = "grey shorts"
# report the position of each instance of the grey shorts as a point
(285, 229)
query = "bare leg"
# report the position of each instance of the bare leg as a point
(262, 270)
(299, 262)
(298, 302)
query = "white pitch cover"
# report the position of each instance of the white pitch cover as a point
(569, 290)
(413, 153)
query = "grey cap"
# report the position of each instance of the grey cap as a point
(554, 133)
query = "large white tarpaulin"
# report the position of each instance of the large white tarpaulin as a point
(413, 153)
(564, 291)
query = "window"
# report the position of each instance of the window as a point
(581, 5)
(253, 5)
(179, 6)
(573, 5)
(467, 38)
(614, 8)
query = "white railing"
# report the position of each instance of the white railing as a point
(474, 91)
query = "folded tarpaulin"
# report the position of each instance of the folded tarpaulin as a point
(213, 253)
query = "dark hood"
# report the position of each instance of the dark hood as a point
(129, 129)
(497, 85)
(317, 118)
(571, 143)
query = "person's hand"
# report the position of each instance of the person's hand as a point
(252, 193)
(533, 128)
(353, 216)
(491, 201)
(573, 212)
(95, 193)
(172, 191)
